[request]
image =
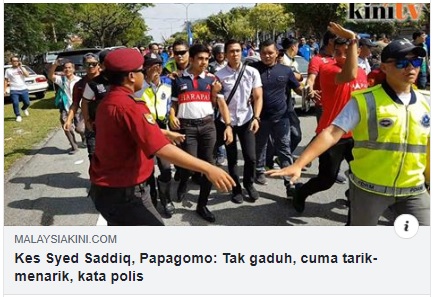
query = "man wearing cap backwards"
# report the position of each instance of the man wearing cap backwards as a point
(91, 63)
(127, 140)
(194, 94)
(364, 52)
(156, 93)
(391, 128)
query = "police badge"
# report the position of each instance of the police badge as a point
(149, 118)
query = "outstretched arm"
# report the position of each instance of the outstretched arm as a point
(218, 177)
(318, 146)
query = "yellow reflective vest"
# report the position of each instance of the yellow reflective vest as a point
(158, 100)
(390, 143)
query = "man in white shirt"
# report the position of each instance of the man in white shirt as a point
(365, 51)
(14, 77)
(245, 119)
(66, 84)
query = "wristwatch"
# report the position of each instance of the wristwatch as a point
(228, 125)
(355, 40)
(257, 118)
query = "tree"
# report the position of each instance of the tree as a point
(270, 18)
(314, 18)
(108, 26)
(201, 31)
(34, 28)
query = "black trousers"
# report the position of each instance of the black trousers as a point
(247, 141)
(90, 137)
(329, 166)
(200, 139)
(125, 206)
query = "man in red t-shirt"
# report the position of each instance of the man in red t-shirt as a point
(316, 63)
(127, 141)
(337, 82)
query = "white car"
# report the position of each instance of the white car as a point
(303, 69)
(36, 83)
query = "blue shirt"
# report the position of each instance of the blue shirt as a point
(305, 52)
(277, 82)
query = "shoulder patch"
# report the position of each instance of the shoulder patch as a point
(426, 120)
(149, 118)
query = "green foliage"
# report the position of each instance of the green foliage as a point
(201, 31)
(113, 24)
(35, 28)
(270, 17)
(314, 18)
(377, 28)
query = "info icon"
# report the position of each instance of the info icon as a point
(406, 226)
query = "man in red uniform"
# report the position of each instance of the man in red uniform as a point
(128, 139)
(337, 82)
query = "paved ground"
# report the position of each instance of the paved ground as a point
(49, 187)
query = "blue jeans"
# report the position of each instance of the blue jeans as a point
(15, 97)
(280, 132)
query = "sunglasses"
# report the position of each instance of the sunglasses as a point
(138, 70)
(90, 64)
(403, 63)
(180, 53)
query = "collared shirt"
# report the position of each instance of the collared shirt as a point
(291, 62)
(127, 139)
(240, 108)
(193, 95)
(363, 63)
(277, 81)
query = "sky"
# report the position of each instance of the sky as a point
(168, 18)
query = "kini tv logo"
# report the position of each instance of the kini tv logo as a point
(385, 12)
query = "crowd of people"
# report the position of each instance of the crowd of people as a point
(187, 106)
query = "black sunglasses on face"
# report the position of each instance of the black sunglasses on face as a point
(180, 53)
(138, 70)
(90, 64)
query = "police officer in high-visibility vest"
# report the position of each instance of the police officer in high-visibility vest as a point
(391, 129)
(156, 93)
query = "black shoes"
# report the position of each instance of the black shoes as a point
(237, 198)
(252, 192)
(298, 200)
(204, 212)
(261, 179)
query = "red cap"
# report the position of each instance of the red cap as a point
(124, 60)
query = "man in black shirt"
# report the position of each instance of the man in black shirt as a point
(277, 80)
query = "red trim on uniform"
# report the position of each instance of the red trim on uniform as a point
(195, 83)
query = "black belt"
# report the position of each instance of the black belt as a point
(197, 122)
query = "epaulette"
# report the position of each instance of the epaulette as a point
(136, 99)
